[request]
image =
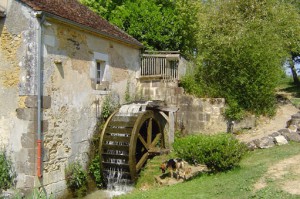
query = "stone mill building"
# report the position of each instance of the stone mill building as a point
(58, 62)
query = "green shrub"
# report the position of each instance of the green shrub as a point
(109, 105)
(218, 152)
(76, 179)
(7, 175)
(95, 171)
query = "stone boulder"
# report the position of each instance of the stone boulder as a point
(275, 134)
(295, 120)
(284, 131)
(280, 140)
(265, 142)
(294, 136)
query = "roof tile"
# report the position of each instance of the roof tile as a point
(78, 13)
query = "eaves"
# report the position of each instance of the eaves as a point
(55, 18)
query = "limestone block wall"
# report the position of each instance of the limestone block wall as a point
(71, 100)
(195, 115)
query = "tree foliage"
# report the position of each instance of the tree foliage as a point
(242, 45)
(158, 24)
(153, 24)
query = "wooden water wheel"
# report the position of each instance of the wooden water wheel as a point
(128, 141)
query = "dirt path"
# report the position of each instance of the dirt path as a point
(285, 174)
(267, 126)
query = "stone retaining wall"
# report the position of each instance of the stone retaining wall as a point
(195, 115)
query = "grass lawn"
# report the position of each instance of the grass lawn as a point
(237, 183)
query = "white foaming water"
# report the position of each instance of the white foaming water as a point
(117, 184)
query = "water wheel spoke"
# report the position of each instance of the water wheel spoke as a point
(149, 132)
(143, 141)
(142, 161)
(156, 140)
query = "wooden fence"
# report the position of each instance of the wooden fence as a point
(164, 66)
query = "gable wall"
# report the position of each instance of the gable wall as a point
(71, 102)
(69, 64)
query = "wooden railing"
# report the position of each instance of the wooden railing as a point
(160, 64)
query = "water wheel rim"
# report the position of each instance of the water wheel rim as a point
(134, 164)
(103, 132)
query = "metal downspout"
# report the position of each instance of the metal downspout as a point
(39, 96)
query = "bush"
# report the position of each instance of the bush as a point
(110, 104)
(95, 171)
(218, 152)
(76, 179)
(7, 175)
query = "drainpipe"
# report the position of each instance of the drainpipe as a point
(39, 93)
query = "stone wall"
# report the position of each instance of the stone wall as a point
(71, 101)
(195, 115)
(17, 76)
(69, 64)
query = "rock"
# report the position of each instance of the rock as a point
(294, 136)
(280, 140)
(293, 128)
(265, 142)
(296, 116)
(295, 119)
(248, 122)
(190, 172)
(251, 145)
(275, 134)
(283, 131)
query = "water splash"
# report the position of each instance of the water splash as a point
(117, 183)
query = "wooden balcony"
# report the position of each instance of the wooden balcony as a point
(163, 65)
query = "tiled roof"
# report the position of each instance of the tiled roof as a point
(74, 11)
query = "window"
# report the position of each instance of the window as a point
(99, 75)
(99, 72)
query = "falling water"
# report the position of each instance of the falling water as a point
(117, 178)
(117, 184)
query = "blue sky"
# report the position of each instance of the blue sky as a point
(288, 70)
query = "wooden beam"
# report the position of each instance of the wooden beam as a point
(142, 161)
(155, 141)
(143, 141)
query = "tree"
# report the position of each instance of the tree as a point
(158, 24)
(296, 53)
(152, 23)
(102, 7)
(292, 62)
(242, 45)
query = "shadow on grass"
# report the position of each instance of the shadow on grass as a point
(292, 88)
